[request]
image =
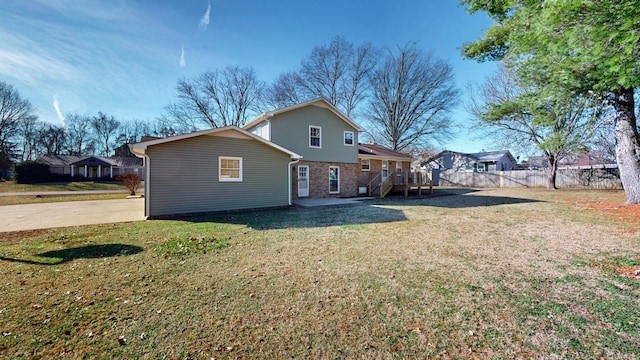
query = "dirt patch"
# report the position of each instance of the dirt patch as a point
(18, 235)
(632, 272)
(614, 210)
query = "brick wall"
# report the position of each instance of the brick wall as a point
(319, 179)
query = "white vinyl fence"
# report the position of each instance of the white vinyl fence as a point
(592, 178)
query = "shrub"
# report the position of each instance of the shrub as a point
(30, 172)
(131, 181)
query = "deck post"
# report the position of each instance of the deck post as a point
(406, 184)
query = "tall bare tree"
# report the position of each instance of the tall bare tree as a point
(105, 128)
(216, 98)
(51, 139)
(338, 72)
(27, 135)
(412, 96)
(14, 110)
(131, 131)
(78, 131)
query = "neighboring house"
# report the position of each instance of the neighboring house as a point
(377, 164)
(326, 139)
(92, 167)
(218, 169)
(477, 162)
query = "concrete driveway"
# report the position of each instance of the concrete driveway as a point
(72, 213)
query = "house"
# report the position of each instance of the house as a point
(92, 167)
(326, 139)
(218, 169)
(377, 164)
(501, 160)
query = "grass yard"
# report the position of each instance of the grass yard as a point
(22, 199)
(11, 186)
(485, 274)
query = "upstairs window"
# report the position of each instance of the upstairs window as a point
(263, 130)
(315, 140)
(229, 169)
(348, 138)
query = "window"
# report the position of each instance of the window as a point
(229, 168)
(385, 169)
(398, 165)
(263, 130)
(365, 164)
(480, 167)
(334, 179)
(314, 136)
(348, 138)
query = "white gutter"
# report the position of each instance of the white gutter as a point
(289, 177)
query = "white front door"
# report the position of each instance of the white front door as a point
(303, 181)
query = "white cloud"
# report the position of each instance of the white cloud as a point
(56, 106)
(204, 22)
(183, 63)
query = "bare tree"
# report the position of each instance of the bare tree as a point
(51, 139)
(78, 139)
(285, 91)
(27, 135)
(338, 72)
(558, 124)
(216, 98)
(14, 110)
(105, 128)
(131, 131)
(412, 95)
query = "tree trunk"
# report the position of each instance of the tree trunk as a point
(553, 172)
(627, 145)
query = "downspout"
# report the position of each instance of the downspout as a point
(289, 177)
(147, 170)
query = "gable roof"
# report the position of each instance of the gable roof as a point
(68, 160)
(379, 151)
(139, 149)
(321, 102)
(485, 156)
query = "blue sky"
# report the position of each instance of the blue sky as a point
(124, 57)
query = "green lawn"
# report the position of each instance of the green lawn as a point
(21, 199)
(485, 274)
(11, 186)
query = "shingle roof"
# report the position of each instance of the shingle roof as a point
(485, 156)
(490, 155)
(57, 160)
(67, 160)
(381, 151)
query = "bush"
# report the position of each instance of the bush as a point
(31, 172)
(131, 181)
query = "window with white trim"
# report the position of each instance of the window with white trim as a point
(263, 130)
(348, 138)
(385, 169)
(365, 164)
(334, 179)
(229, 169)
(315, 133)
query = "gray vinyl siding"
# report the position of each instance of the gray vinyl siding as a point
(291, 131)
(184, 176)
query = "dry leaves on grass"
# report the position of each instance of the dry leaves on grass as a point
(628, 214)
